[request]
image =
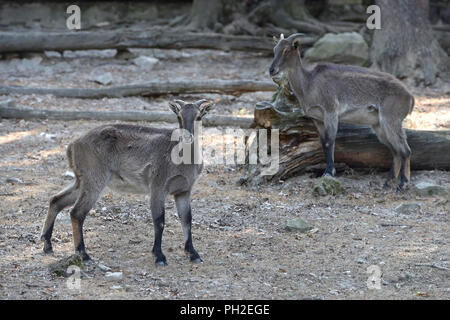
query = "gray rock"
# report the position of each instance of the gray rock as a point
(104, 79)
(298, 224)
(116, 288)
(114, 276)
(13, 180)
(408, 208)
(59, 267)
(103, 267)
(426, 189)
(328, 185)
(346, 48)
(28, 65)
(145, 62)
(405, 276)
(48, 136)
(125, 55)
(52, 54)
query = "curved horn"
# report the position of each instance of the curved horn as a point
(294, 36)
(180, 102)
(199, 102)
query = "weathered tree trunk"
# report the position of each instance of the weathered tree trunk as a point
(356, 146)
(405, 45)
(253, 17)
(10, 112)
(204, 15)
(86, 40)
(213, 15)
(149, 89)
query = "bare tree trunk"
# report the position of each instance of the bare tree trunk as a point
(86, 40)
(11, 112)
(149, 89)
(405, 45)
(204, 15)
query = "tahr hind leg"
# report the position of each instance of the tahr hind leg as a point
(65, 198)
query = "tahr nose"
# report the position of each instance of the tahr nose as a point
(271, 70)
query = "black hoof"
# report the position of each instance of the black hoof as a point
(48, 247)
(161, 263)
(84, 256)
(196, 260)
(193, 256)
(48, 250)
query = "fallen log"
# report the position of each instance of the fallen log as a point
(8, 112)
(84, 40)
(149, 89)
(356, 146)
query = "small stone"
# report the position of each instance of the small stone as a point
(125, 55)
(48, 136)
(114, 276)
(298, 224)
(407, 208)
(14, 180)
(242, 181)
(104, 79)
(60, 267)
(426, 189)
(145, 62)
(405, 276)
(103, 267)
(328, 185)
(52, 54)
(116, 287)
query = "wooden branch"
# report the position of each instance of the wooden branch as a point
(150, 88)
(8, 112)
(84, 40)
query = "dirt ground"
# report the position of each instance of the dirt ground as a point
(239, 231)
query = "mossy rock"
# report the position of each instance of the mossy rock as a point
(59, 268)
(298, 224)
(328, 185)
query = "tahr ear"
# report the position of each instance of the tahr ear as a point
(205, 107)
(175, 107)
